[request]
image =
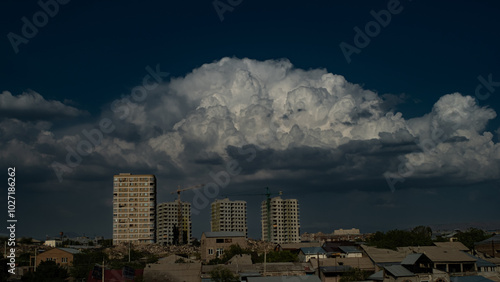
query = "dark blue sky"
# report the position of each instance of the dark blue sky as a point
(92, 52)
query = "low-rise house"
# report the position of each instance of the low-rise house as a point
(350, 252)
(415, 267)
(309, 278)
(295, 247)
(452, 245)
(444, 259)
(213, 244)
(363, 263)
(333, 248)
(305, 254)
(332, 273)
(261, 269)
(53, 243)
(173, 268)
(62, 256)
(383, 257)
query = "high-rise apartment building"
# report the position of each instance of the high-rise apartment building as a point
(281, 217)
(167, 231)
(134, 208)
(229, 216)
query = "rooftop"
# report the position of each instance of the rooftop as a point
(313, 250)
(452, 245)
(399, 271)
(224, 234)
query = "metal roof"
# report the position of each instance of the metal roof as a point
(439, 254)
(335, 269)
(313, 250)
(378, 276)
(399, 271)
(304, 278)
(481, 262)
(224, 234)
(474, 278)
(411, 259)
(452, 245)
(495, 238)
(71, 251)
(349, 249)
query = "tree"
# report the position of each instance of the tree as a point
(392, 239)
(47, 271)
(471, 236)
(26, 240)
(4, 269)
(232, 251)
(354, 274)
(84, 262)
(222, 274)
(278, 256)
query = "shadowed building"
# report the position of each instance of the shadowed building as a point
(229, 216)
(168, 222)
(282, 224)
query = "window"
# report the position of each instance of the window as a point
(220, 252)
(210, 251)
(219, 240)
(64, 260)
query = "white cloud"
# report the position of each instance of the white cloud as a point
(31, 105)
(270, 104)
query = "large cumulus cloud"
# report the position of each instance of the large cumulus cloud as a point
(307, 123)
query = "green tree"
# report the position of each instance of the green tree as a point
(232, 251)
(47, 271)
(392, 239)
(278, 256)
(354, 274)
(222, 274)
(4, 269)
(26, 240)
(471, 236)
(84, 262)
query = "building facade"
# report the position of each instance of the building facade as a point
(229, 216)
(134, 208)
(283, 221)
(213, 244)
(352, 231)
(168, 222)
(61, 256)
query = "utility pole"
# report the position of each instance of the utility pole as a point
(268, 206)
(103, 269)
(265, 258)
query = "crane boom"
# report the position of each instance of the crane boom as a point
(180, 221)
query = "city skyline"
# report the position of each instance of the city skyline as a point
(374, 115)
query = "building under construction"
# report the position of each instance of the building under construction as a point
(169, 229)
(281, 217)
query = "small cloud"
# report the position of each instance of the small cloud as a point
(32, 106)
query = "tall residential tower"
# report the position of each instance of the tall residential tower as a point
(134, 208)
(168, 217)
(282, 217)
(229, 216)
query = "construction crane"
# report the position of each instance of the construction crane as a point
(268, 207)
(180, 218)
